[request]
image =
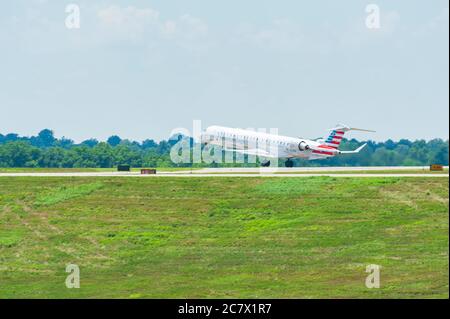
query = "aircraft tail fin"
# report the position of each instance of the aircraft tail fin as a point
(337, 134)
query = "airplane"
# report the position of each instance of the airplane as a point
(277, 146)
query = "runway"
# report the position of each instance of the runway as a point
(396, 171)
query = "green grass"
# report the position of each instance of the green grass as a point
(53, 170)
(381, 171)
(224, 237)
(63, 193)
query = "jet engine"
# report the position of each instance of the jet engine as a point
(303, 146)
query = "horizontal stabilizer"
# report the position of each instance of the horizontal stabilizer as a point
(355, 151)
(361, 129)
(345, 128)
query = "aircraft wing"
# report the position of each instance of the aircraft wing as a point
(255, 152)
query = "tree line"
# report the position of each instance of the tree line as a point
(47, 151)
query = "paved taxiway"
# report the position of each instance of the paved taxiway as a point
(254, 172)
(312, 169)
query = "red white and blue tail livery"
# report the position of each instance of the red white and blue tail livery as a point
(335, 138)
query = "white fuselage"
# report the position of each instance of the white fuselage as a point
(272, 144)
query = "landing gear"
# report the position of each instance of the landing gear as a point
(265, 163)
(289, 163)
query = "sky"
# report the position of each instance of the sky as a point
(140, 69)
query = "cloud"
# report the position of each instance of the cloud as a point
(281, 34)
(169, 27)
(192, 27)
(440, 21)
(126, 17)
(185, 27)
(389, 22)
(139, 24)
(128, 23)
(437, 23)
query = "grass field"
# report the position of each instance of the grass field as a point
(343, 172)
(374, 172)
(224, 237)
